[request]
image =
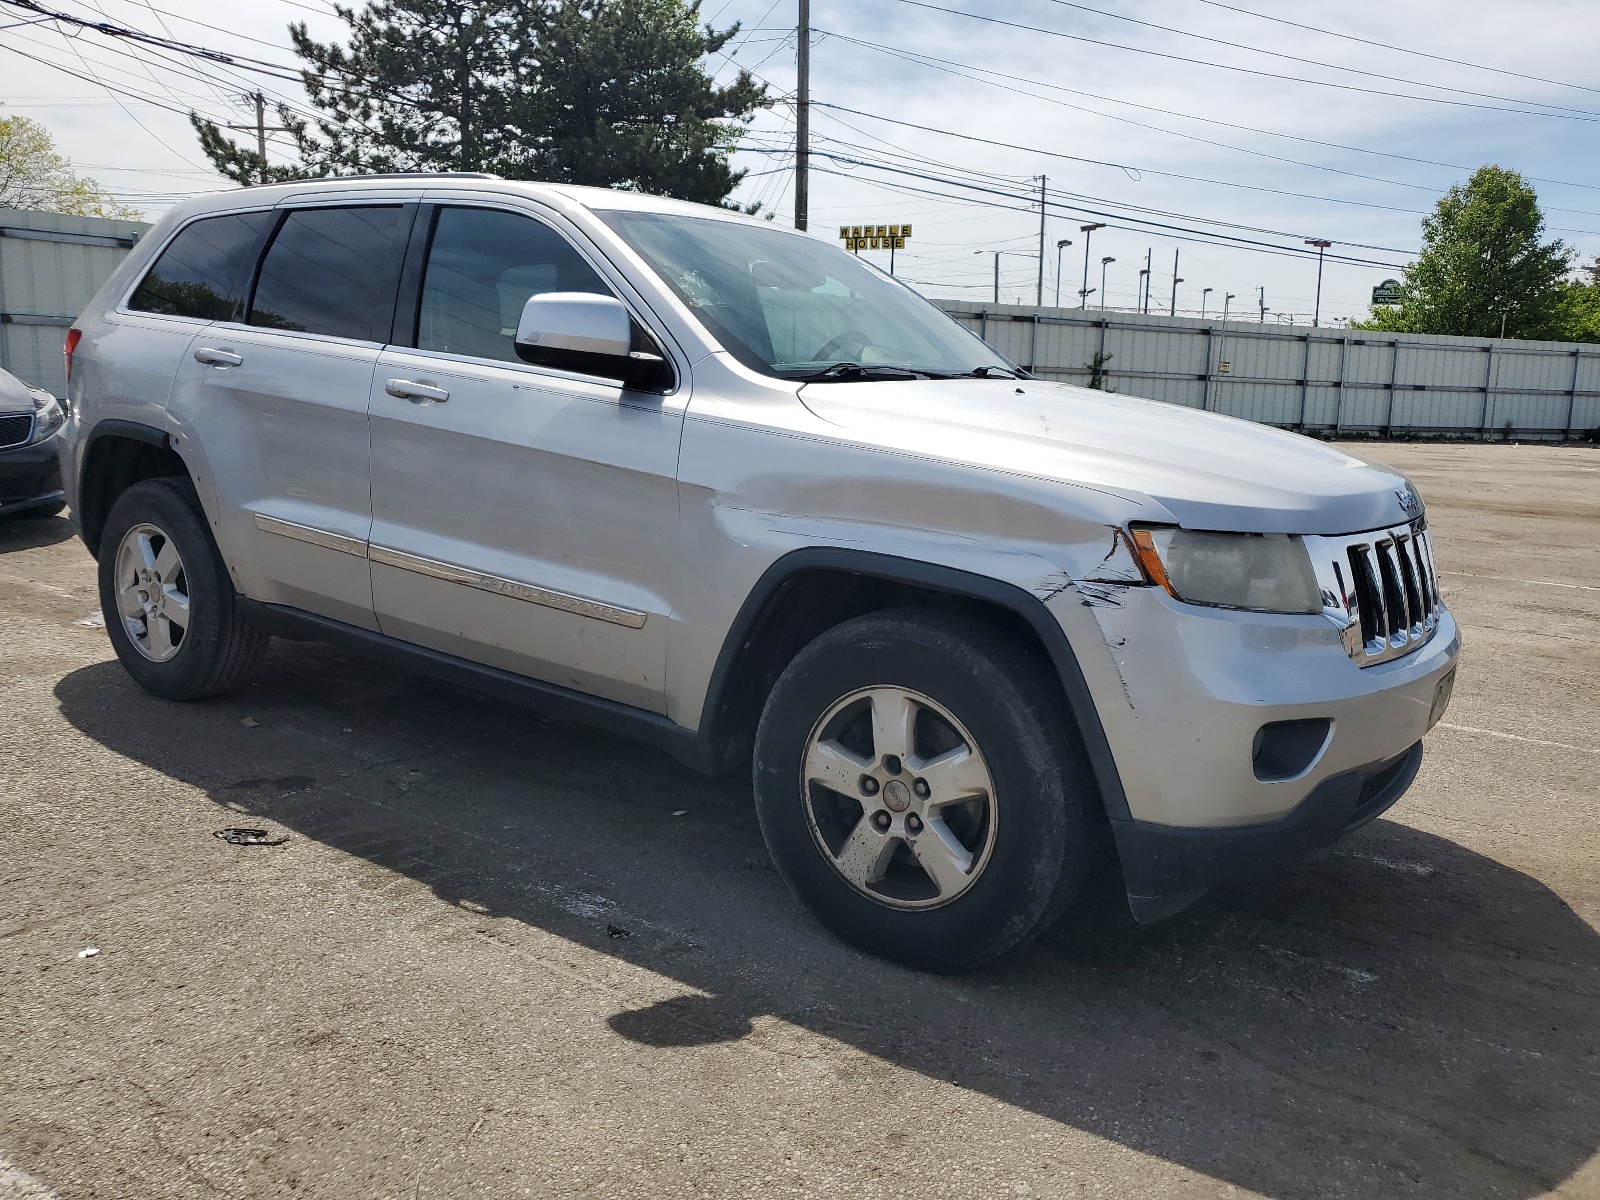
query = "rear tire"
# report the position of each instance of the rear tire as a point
(959, 841)
(170, 608)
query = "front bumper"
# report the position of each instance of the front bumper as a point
(30, 477)
(1165, 868)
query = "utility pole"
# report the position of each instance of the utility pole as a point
(1204, 292)
(997, 277)
(1038, 299)
(1173, 311)
(1321, 244)
(1088, 232)
(802, 118)
(1263, 318)
(1060, 246)
(1227, 298)
(1103, 262)
(1149, 262)
(260, 129)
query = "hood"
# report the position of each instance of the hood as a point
(15, 396)
(1206, 470)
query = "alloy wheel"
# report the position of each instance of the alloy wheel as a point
(152, 592)
(899, 798)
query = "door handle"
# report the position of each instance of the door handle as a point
(417, 393)
(217, 358)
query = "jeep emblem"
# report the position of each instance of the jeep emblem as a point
(1408, 499)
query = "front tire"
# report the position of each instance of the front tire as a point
(170, 608)
(919, 787)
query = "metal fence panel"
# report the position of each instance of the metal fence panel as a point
(51, 265)
(1326, 379)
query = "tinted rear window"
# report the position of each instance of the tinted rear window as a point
(331, 271)
(204, 271)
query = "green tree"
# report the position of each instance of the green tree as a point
(33, 175)
(1483, 266)
(604, 92)
(612, 93)
(1580, 308)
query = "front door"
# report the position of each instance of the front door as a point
(280, 404)
(522, 517)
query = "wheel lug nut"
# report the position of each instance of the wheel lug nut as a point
(869, 786)
(891, 764)
(880, 820)
(914, 823)
(920, 787)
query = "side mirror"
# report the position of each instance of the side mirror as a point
(588, 333)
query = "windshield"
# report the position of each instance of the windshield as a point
(788, 305)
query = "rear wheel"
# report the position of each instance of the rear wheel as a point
(170, 608)
(918, 787)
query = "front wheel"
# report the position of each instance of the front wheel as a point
(170, 608)
(919, 788)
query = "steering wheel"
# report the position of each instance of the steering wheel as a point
(849, 337)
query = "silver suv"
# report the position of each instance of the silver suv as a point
(727, 488)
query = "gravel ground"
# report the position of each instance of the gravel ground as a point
(416, 995)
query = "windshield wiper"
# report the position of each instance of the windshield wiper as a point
(846, 371)
(995, 373)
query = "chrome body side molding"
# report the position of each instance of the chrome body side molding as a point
(517, 590)
(343, 543)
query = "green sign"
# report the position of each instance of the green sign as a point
(1387, 292)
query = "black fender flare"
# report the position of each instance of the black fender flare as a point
(955, 582)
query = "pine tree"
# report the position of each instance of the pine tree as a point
(604, 92)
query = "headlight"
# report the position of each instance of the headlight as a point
(48, 417)
(1258, 572)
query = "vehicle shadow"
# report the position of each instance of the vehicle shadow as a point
(1400, 1015)
(19, 531)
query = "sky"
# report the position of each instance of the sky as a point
(1228, 133)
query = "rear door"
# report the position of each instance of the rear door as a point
(523, 517)
(278, 403)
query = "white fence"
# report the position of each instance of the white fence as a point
(1329, 380)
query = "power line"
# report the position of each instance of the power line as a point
(960, 68)
(1100, 12)
(1350, 37)
(1571, 115)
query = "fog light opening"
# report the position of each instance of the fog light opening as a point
(1284, 750)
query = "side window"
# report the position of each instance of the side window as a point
(482, 267)
(332, 271)
(203, 272)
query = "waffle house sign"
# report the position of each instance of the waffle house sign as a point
(874, 237)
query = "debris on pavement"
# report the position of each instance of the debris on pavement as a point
(250, 723)
(239, 836)
(682, 812)
(617, 931)
(95, 620)
(88, 952)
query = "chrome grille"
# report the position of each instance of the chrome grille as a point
(1381, 589)
(15, 429)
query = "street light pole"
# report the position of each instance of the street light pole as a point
(1088, 232)
(997, 277)
(1060, 246)
(1204, 292)
(1103, 263)
(1149, 277)
(1263, 292)
(1322, 245)
(1173, 311)
(1144, 284)
(1227, 298)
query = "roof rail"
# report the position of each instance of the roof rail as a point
(381, 175)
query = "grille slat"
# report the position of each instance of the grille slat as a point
(15, 429)
(1393, 599)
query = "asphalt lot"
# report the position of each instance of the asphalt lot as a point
(416, 995)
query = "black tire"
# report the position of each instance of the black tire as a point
(1045, 802)
(220, 647)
